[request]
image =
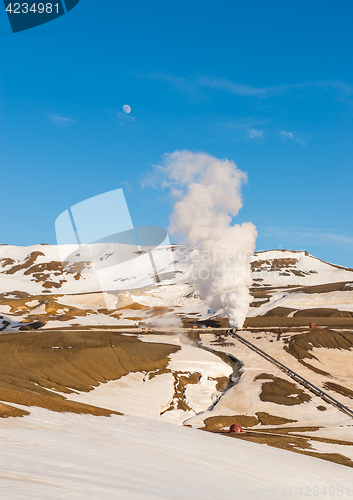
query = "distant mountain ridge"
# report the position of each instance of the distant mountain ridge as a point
(36, 286)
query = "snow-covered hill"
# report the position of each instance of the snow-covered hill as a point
(115, 285)
(287, 268)
(38, 289)
(295, 284)
(50, 455)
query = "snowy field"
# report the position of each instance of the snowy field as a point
(141, 395)
(148, 453)
(62, 456)
(35, 285)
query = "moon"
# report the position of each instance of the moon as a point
(126, 109)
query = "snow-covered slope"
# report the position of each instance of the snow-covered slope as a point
(54, 456)
(284, 267)
(101, 288)
(297, 282)
(51, 455)
(39, 269)
(187, 386)
(43, 268)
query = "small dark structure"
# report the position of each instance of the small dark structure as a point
(32, 326)
(235, 428)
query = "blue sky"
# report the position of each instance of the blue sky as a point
(266, 84)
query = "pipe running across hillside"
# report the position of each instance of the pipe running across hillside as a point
(318, 392)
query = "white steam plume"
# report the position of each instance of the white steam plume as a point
(166, 322)
(209, 195)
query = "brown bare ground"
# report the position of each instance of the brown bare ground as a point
(10, 411)
(278, 312)
(135, 306)
(219, 422)
(328, 287)
(323, 312)
(59, 404)
(41, 272)
(291, 443)
(281, 391)
(267, 419)
(258, 265)
(29, 261)
(19, 307)
(278, 437)
(33, 364)
(216, 423)
(268, 322)
(300, 345)
(344, 391)
(6, 262)
(159, 311)
(181, 380)
(257, 294)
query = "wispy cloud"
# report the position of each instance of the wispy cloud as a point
(123, 117)
(191, 83)
(127, 185)
(308, 235)
(242, 89)
(253, 133)
(243, 129)
(288, 135)
(292, 136)
(62, 120)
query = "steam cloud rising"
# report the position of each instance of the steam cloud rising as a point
(208, 192)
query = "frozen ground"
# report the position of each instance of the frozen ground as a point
(186, 391)
(35, 285)
(62, 456)
(143, 395)
(244, 398)
(144, 454)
